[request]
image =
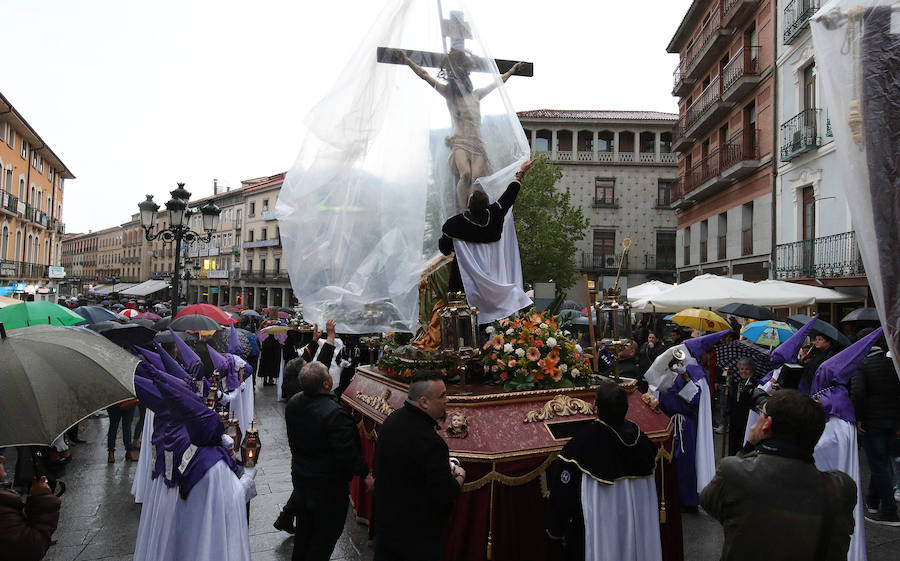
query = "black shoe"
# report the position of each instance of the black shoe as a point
(285, 522)
(883, 519)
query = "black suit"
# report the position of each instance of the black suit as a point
(483, 229)
(414, 489)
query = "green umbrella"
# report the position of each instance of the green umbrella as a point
(52, 377)
(37, 313)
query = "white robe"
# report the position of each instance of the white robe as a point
(837, 450)
(141, 483)
(211, 524)
(491, 274)
(621, 521)
(706, 455)
(280, 378)
(242, 405)
(157, 525)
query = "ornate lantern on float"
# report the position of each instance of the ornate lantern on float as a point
(614, 316)
(459, 326)
(251, 447)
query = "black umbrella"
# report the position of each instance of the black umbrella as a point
(728, 355)
(117, 306)
(819, 328)
(194, 322)
(126, 335)
(148, 323)
(165, 337)
(95, 314)
(859, 314)
(747, 311)
(163, 323)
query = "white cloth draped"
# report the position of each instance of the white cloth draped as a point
(621, 521)
(211, 524)
(837, 450)
(141, 483)
(492, 274)
(280, 378)
(157, 524)
(242, 404)
(706, 455)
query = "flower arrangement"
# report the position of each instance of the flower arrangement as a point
(530, 351)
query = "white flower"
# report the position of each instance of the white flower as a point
(520, 352)
(507, 348)
(489, 329)
(563, 367)
(578, 349)
(510, 331)
(567, 333)
(575, 372)
(543, 326)
(551, 342)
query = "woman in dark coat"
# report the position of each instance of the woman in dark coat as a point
(823, 348)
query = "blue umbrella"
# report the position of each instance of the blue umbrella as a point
(668, 317)
(251, 313)
(767, 332)
(95, 314)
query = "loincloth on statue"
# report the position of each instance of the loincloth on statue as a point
(473, 146)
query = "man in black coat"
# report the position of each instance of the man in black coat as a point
(325, 455)
(417, 484)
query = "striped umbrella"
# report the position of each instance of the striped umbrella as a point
(129, 313)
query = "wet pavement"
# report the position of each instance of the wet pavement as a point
(99, 517)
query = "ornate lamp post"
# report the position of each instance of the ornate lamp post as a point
(179, 225)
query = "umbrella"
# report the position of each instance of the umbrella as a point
(160, 305)
(117, 306)
(55, 376)
(165, 337)
(104, 302)
(704, 320)
(37, 313)
(251, 313)
(194, 322)
(149, 315)
(746, 311)
(149, 324)
(236, 308)
(284, 315)
(163, 324)
(862, 314)
(130, 304)
(129, 313)
(567, 315)
(767, 332)
(94, 314)
(570, 305)
(208, 310)
(728, 355)
(125, 335)
(820, 328)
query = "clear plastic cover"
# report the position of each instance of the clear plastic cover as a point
(361, 210)
(857, 48)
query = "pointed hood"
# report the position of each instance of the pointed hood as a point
(829, 387)
(187, 356)
(203, 424)
(234, 343)
(787, 351)
(170, 365)
(148, 394)
(150, 357)
(699, 345)
(225, 365)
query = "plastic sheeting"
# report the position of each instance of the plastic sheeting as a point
(857, 49)
(360, 211)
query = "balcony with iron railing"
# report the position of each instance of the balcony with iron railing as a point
(8, 202)
(741, 74)
(796, 18)
(681, 85)
(737, 12)
(597, 262)
(659, 262)
(609, 157)
(708, 41)
(21, 270)
(236, 223)
(264, 275)
(747, 241)
(804, 132)
(735, 159)
(834, 256)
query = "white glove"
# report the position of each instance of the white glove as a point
(228, 397)
(248, 482)
(678, 368)
(227, 442)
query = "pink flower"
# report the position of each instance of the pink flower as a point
(538, 343)
(532, 354)
(511, 363)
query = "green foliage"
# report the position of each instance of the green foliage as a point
(548, 226)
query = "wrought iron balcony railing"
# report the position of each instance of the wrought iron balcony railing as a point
(832, 256)
(593, 262)
(796, 18)
(744, 63)
(803, 132)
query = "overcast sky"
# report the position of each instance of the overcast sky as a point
(134, 96)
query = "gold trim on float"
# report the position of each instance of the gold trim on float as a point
(561, 406)
(377, 402)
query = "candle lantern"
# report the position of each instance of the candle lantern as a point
(212, 396)
(233, 429)
(251, 447)
(614, 316)
(459, 325)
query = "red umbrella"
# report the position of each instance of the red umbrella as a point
(148, 315)
(213, 312)
(236, 308)
(283, 315)
(129, 313)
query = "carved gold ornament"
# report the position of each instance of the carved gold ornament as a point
(378, 403)
(559, 406)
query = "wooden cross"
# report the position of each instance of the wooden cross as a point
(457, 30)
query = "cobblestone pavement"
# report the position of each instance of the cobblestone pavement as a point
(99, 517)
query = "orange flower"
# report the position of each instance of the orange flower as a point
(549, 365)
(532, 354)
(504, 322)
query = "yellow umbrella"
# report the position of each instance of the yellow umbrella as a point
(703, 320)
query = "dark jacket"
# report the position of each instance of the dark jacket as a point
(813, 361)
(324, 442)
(25, 530)
(646, 355)
(414, 489)
(771, 507)
(875, 391)
(290, 383)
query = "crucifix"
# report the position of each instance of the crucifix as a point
(468, 159)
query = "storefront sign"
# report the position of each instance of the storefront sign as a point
(56, 272)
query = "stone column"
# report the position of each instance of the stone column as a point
(657, 147)
(553, 141)
(257, 297)
(637, 146)
(285, 298)
(616, 146)
(594, 144)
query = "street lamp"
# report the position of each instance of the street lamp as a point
(179, 225)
